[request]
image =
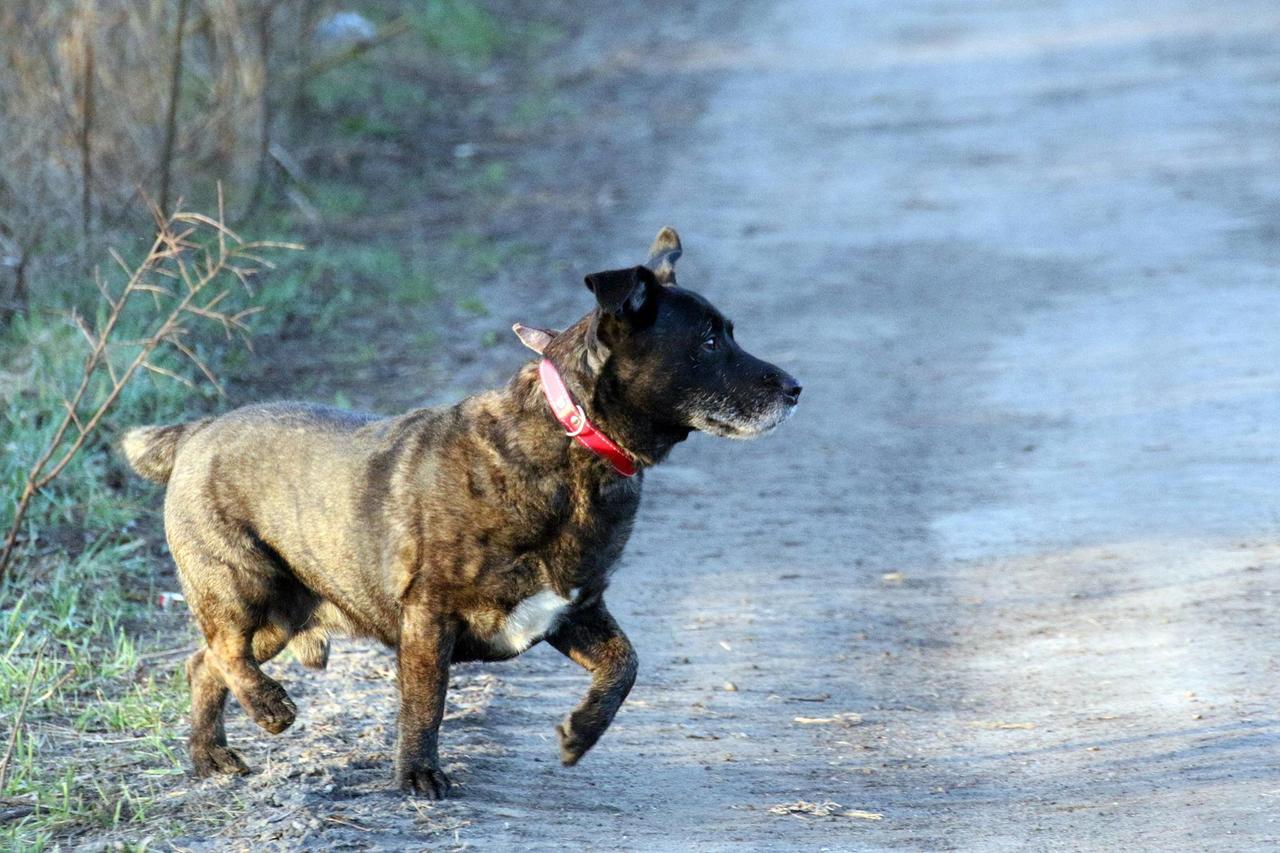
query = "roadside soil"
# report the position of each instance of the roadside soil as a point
(1008, 579)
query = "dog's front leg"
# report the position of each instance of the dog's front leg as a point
(594, 641)
(426, 646)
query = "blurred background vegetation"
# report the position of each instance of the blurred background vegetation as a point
(348, 127)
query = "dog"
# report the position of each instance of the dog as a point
(469, 532)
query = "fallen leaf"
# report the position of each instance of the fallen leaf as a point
(848, 718)
(827, 808)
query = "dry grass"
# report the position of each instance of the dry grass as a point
(105, 103)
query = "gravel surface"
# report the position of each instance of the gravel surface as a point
(1008, 579)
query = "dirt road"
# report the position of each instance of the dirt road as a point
(1008, 580)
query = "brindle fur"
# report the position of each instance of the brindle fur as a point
(290, 522)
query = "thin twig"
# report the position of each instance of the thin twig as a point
(164, 371)
(22, 711)
(341, 822)
(167, 653)
(72, 413)
(212, 223)
(203, 368)
(57, 685)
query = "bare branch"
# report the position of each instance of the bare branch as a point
(147, 287)
(173, 254)
(83, 328)
(102, 288)
(115, 256)
(212, 223)
(66, 404)
(204, 368)
(164, 371)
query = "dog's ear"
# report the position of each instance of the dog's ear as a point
(663, 254)
(623, 292)
(534, 338)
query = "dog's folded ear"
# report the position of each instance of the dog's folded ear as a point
(663, 254)
(534, 338)
(623, 292)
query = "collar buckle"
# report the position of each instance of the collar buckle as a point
(580, 418)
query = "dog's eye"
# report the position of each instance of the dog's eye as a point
(711, 344)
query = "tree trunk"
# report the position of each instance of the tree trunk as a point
(171, 115)
(86, 122)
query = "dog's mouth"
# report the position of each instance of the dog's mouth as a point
(732, 425)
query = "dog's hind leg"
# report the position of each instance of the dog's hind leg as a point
(238, 606)
(237, 656)
(311, 647)
(209, 751)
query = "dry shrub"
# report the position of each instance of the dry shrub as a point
(189, 274)
(85, 89)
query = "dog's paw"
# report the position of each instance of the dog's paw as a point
(206, 761)
(427, 782)
(270, 707)
(572, 745)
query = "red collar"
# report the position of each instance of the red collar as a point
(576, 424)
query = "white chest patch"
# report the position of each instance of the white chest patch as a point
(530, 621)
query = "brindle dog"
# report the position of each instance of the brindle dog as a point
(463, 533)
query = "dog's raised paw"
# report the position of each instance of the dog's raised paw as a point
(430, 783)
(207, 761)
(572, 747)
(271, 708)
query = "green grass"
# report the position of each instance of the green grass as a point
(463, 32)
(381, 96)
(92, 693)
(474, 306)
(104, 720)
(338, 200)
(85, 595)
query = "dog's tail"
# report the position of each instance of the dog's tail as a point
(151, 449)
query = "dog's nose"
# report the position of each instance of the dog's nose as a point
(787, 384)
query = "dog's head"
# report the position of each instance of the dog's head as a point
(666, 354)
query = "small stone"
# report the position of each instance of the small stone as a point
(730, 687)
